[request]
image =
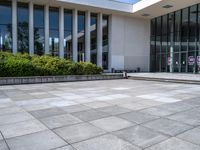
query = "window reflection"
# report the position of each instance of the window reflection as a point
(93, 40)
(23, 27)
(5, 26)
(68, 35)
(180, 38)
(81, 36)
(105, 42)
(39, 36)
(54, 31)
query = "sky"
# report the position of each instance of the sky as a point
(128, 1)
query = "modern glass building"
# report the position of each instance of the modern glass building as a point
(156, 35)
(175, 41)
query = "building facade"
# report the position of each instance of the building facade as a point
(113, 34)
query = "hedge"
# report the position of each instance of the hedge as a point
(24, 65)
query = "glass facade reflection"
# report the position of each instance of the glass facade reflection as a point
(5, 26)
(39, 35)
(68, 53)
(54, 31)
(93, 40)
(175, 41)
(23, 27)
(105, 42)
(81, 36)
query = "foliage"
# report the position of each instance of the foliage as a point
(25, 65)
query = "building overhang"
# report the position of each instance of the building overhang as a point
(155, 8)
(145, 9)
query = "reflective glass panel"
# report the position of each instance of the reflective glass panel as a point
(5, 26)
(68, 53)
(54, 31)
(39, 36)
(93, 40)
(23, 27)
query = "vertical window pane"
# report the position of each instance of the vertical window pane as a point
(5, 26)
(68, 35)
(54, 31)
(81, 36)
(93, 40)
(39, 30)
(23, 27)
(184, 29)
(105, 41)
(193, 28)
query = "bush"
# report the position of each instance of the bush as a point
(25, 65)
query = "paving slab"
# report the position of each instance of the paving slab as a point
(138, 117)
(107, 142)
(44, 140)
(3, 145)
(14, 118)
(157, 111)
(134, 106)
(90, 115)
(10, 110)
(79, 132)
(174, 144)
(47, 112)
(112, 123)
(60, 121)
(74, 108)
(140, 136)
(191, 117)
(21, 128)
(167, 126)
(177, 107)
(192, 136)
(97, 104)
(114, 110)
(65, 148)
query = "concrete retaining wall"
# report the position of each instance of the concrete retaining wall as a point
(52, 79)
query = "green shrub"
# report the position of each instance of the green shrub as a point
(25, 65)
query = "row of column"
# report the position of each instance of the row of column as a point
(61, 32)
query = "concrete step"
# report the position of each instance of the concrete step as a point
(165, 80)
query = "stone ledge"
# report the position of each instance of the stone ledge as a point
(54, 79)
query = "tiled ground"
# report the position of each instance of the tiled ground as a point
(100, 115)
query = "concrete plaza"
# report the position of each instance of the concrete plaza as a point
(100, 115)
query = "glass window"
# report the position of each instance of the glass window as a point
(68, 52)
(177, 27)
(153, 27)
(5, 26)
(23, 27)
(158, 26)
(105, 41)
(93, 40)
(184, 29)
(54, 31)
(81, 36)
(39, 37)
(193, 28)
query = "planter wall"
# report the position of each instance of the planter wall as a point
(52, 79)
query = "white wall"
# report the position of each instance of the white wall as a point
(130, 43)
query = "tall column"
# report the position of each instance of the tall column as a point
(31, 29)
(75, 35)
(110, 43)
(87, 37)
(14, 26)
(99, 39)
(61, 32)
(46, 28)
